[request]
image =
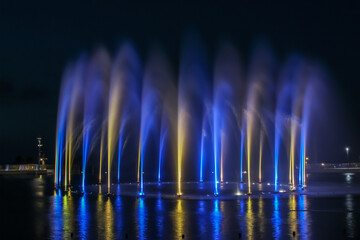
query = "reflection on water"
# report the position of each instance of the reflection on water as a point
(292, 218)
(56, 222)
(112, 218)
(109, 220)
(250, 219)
(276, 220)
(160, 219)
(141, 218)
(68, 215)
(216, 220)
(303, 216)
(260, 216)
(179, 220)
(83, 218)
(349, 177)
(57, 215)
(350, 225)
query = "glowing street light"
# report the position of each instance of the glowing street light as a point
(347, 149)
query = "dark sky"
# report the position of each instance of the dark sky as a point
(38, 39)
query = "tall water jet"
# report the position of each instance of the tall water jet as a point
(180, 144)
(227, 97)
(304, 132)
(114, 107)
(203, 135)
(148, 118)
(259, 76)
(216, 144)
(120, 150)
(153, 109)
(125, 74)
(254, 89)
(63, 108)
(309, 95)
(249, 131)
(163, 137)
(122, 144)
(95, 95)
(242, 139)
(282, 102)
(192, 96)
(261, 154)
(102, 148)
(293, 130)
(72, 130)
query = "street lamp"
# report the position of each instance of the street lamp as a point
(347, 149)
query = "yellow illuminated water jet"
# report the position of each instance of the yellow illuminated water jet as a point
(181, 139)
(260, 154)
(139, 159)
(102, 146)
(249, 127)
(113, 123)
(66, 164)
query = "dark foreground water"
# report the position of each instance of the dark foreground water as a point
(31, 209)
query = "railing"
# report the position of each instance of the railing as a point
(23, 167)
(332, 165)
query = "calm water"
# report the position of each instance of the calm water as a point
(32, 210)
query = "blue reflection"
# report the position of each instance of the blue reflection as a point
(83, 218)
(216, 220)
(276, 219)
(202, 223)
(141, 219)
(159, 218)
(118, 206)
(303, 216)
(57, 219)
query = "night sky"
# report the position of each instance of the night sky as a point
(37, 40)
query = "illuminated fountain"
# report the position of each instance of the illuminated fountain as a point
(223, 126)
(94, 100)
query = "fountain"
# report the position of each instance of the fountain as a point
(221, 127)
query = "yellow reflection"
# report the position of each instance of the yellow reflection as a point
(68, 215)
(109, 220)
(250, 219)
(261, 216)
(292, 218)
(179, 220)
